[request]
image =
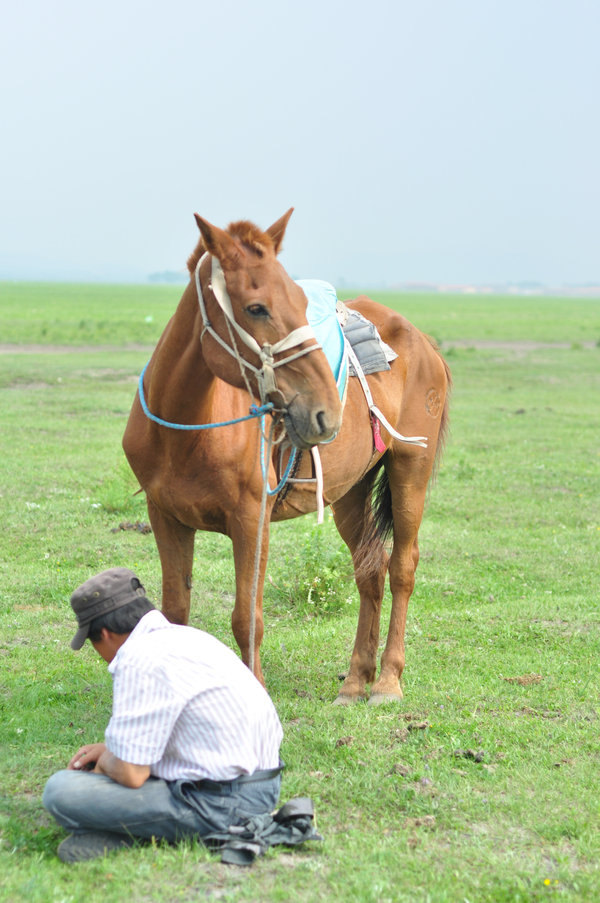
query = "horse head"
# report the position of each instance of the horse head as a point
(255, 332)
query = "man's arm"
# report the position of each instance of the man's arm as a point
(125, 773)
(98, 757)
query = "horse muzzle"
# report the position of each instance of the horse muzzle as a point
(307, 426)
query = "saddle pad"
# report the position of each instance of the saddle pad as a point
(321, 315)
(373, 354)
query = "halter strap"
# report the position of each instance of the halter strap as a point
(219, 290)
(265, 374)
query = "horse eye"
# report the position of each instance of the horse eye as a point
(257, 310)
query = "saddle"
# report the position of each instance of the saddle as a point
(339, 329)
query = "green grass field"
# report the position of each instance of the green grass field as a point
(85, 314)
(483, 785)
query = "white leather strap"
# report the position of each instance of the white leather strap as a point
(412, 440)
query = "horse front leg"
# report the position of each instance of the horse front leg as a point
(353, 518)
(175, 543)
(247, 615)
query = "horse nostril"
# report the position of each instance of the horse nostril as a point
(321, 422)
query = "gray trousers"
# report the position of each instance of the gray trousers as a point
(82, 801)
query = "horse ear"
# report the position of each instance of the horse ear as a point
(277, 230)
(218, 242)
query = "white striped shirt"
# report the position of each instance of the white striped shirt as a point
(186, 705)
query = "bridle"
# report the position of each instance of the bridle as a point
(265, 374)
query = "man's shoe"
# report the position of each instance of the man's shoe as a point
(91, 845)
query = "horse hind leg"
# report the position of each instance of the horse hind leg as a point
(354, 520)
(407, 504)
(175, 543)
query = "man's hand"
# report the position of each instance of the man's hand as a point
(97, 757)
(86, 757)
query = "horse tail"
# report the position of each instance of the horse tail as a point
(381, 506)
(371, 555)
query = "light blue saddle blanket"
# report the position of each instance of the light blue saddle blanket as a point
(373, 354)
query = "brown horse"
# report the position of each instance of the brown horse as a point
(240, 335)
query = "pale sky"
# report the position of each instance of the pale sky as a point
(431, 140)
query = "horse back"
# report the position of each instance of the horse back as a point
(414, 393)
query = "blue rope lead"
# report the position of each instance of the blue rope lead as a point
(263, 462)
(255, 411)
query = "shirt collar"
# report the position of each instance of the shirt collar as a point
(153, 620)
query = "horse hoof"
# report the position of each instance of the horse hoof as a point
(345, 699)
(382, 698)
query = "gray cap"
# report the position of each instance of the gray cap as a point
(101, 594)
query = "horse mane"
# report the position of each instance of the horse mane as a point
(251, 237)
(246, 234)
(195, 256)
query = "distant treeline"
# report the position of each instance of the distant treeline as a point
(169, 276)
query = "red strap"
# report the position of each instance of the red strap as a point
(379, 443)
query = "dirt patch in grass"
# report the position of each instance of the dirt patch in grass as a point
(524, 680)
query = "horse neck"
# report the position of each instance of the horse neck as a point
(178, 358)
(182, 384)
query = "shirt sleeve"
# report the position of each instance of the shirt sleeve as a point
(145, 709)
